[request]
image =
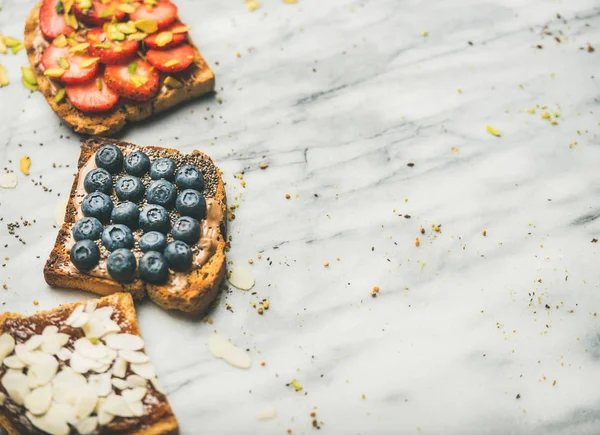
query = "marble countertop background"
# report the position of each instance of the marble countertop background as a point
(372, 115)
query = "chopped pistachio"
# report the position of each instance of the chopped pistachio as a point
(127, 8)
(138, 36)
(115, 35)
(181, 29)
(150, 2)
(493, 131)
(126, 28)
(104, 45)
(3, 77)
(88, 62)
(173, 83)
(106, 13)
(99, 84)
(171, 63)
(28, 75)
(32, 88)
(79, 48)
(163, 38)
(146, 26)
(67, 5)
(71, 21)
(84, 4)
(64, 63)
(297, 385)
(94, 340)
(60, 95)
(138, 80)
(3, 48)
(132, 68)
(17, 48)
(60, 41)
(54, 72)
(11, 42)
(252, 5)
(25, 164)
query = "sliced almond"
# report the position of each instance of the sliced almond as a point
(7, 345)
(31, 358)
(241, 277)
(134, 394)
(74, 314)
(101, 384)
(40, 374)
(136, 408)
(119, 368)
(98, 327)
(87, 426)
(89, 350)
(53, 343)
(124, 341)
(136, 381)
(81, 364)
(7, 180)
(90, 306)
(110, 357)
(64, 354)
(50, 330)
(15, 384)
(119, 384)
(81, 320)
(266, 413)
(86, 402)
(13, 362)
(233, 355)
(117, 406)
(133, 357)
(34, 342)
(104, 418)
(145, 370)
(39, 400)
(54, 421)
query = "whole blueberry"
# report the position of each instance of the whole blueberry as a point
(153, 267)
(179, 256)
(137, 163)
(98, 205)
(98, 180)
(154, 218)
(121, 265)
(162, 168)
(116, 237)
(189, 177)
(110, 158)
(153, 241)
(87, 228)
(191, 203)
(129, 188)
(162, 192)
(126, 213)
(186, 229)
(85, 255)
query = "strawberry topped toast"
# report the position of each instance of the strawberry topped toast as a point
(102, 64)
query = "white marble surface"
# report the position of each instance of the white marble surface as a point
(338, 97)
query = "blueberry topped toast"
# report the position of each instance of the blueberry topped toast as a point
(143, 220)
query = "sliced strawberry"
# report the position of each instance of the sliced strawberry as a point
(176, 38)
(92, 96)
(52, 22)
(99, 13)
(108, 51)
(164, 13)
(171, 60)
(137, 80)
(74, 73)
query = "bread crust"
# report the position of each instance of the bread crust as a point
(165, 426)
(201, 285)
(201, 81)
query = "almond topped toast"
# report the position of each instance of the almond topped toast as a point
(80, 369)
(143, 220)
(103, 64)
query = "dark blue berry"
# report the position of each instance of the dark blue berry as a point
(98, 180)
(162, 192)
(191, 203)
(189, 177)
(129, 188)
(121, 265)
(98, 205)
(153, 267)
(162, 168)
(116, 237)
(85, 255)
(126, 213)
(137, 163)
(179, 256)
(110, 158)
(87, 228)
(186, 229)
(154, 218)
(153, 241)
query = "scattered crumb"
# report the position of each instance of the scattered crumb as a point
(484, 233)
(5, 286)
(263, 165)
(417, 242)
(36, 302)
(326, 264)
(375, 291)
(422, 230)
(238, 54)
(295, 384)
(455, 150)
(287, 196)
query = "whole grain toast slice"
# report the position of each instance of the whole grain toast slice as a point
(158, 418)
(190, 292)
(198, 79)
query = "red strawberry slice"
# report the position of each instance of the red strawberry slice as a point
(137, 80)
(74, 73)
(171, 60)
(99, 13)
(92, 96)
(164, 13)
(108, 51)
(177, 38)
(52, 22)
